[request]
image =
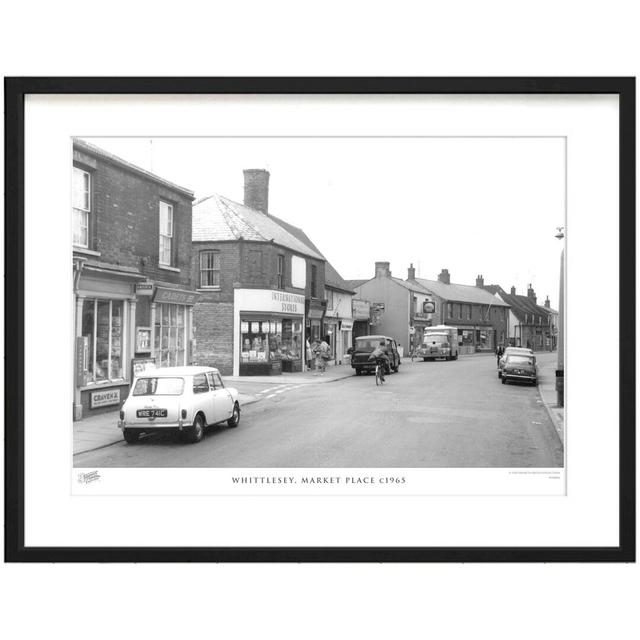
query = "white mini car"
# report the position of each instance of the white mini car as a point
(184, 399)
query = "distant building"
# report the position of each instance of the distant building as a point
(132, 275)
(395, 306)
(261, 282)
(531, 325)
(481, 318)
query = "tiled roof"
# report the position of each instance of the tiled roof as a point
(353, 284)
(411, 286)
(217, 218)
(334, 280)
(460, 292)
(523, 304)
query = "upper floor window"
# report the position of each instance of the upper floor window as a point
(209, 268)
(450, 309)
(468, 312)
(280, 272)
(166, 234)
(81, 207)
(329, 298)
(460, 311)
(526, 318)
(314, 281)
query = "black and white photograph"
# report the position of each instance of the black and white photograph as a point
(318, 302)
(352, 312)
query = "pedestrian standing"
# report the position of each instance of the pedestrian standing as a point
(323, 354)
(309, 354)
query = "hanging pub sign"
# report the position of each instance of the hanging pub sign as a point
(428, 306)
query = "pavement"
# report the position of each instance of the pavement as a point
(547, 390)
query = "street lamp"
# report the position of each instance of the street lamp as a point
(560, 366)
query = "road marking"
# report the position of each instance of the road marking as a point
(534, 422)
(266, 390)
(271, 396)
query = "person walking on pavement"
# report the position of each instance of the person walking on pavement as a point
(323, 353)
(499, 353)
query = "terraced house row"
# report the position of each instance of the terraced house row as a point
(162, 279)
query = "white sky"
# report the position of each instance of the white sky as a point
(485, 206)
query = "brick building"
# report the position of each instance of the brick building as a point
(531, 325)
(261, 282)
(132, 285)
(482, 319)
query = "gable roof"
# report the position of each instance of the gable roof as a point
(216, 218)
(353, 284)
(460, 292)
(334, 280)
(523, 304)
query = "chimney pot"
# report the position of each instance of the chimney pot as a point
(256, 189)
(411, 272)
(480, 281)
(547, 303)
(513, 291)
(444, 277)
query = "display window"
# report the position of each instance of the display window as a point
(267, 340)
(102, 333)
(170, 338)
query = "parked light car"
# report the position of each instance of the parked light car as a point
(519, 367)
(184, 399)
(364, 345)
(523, 350)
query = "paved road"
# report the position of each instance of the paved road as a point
(430, 414)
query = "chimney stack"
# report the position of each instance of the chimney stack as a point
(382, 270)
(480, 281)
(444, 277)
(411, 272)
(531, 294)
(513, 291)
(256, 189)
(547, 303)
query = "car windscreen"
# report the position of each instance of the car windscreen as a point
(435, 338)
(519, 359)
(366, 344)
(158, 387)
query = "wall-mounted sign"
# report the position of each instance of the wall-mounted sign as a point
(269, 300)
(105, 398)
(428, 306)
(175, 296)
(82, 353)
(346, 325)
(360, 309)
(144, 288)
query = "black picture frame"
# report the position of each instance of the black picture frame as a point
(15, 91)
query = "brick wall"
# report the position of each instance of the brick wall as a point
(125, 219)
(213, 323)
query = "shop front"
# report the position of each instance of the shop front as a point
(268, 332)
(361, 315)
(104, 311)
(345, 341)
(314, 311)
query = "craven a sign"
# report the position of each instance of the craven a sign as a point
(105, 398)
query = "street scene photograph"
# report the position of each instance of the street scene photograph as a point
(318, 302)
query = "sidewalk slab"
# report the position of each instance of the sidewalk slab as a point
(332, 373)
(548, 396)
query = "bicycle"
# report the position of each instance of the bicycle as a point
(379, 373)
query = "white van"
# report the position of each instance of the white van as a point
(439, 342)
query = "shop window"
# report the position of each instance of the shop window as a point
(314, 281)
(209, 269)
(102, 333)
(170, 339)
(81, 207)
(280, 272)
(255, 339)
(289, 343)
(166, 234)
(465, 336)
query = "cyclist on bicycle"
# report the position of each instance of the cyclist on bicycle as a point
(379, 354)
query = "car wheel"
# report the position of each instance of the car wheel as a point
(358, 372)
(234, 420)
(196, 433)
(424, 359)
(504, 381)
(395, 369)
(131, 436)
(499, 374)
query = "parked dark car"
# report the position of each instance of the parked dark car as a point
(364, 345)
(509, 350)
(519, 367)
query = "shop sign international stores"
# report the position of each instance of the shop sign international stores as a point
(289, 302)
